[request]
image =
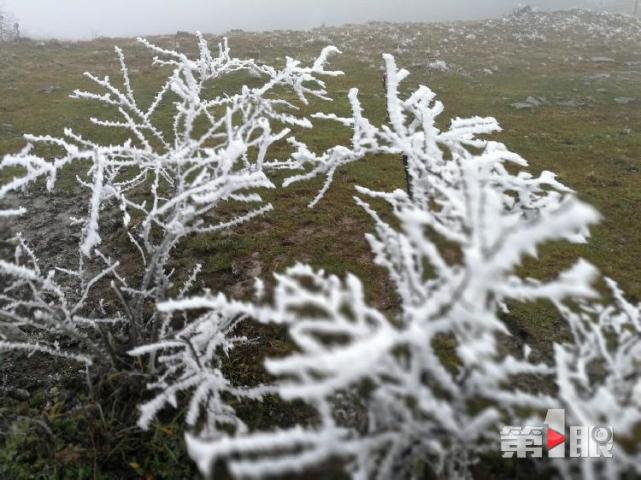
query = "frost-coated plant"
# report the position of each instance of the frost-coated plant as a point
(453, 254)
(599, 379)
(437, 380)
(191, 361)
(169, 183)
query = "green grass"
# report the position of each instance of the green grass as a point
(589, 148)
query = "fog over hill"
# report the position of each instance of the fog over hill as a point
(80, 19)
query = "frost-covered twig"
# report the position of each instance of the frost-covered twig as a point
(37, 313)
(191, 360)
(599, 379)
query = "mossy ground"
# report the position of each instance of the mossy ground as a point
(594, 148)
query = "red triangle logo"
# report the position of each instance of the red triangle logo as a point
(554, 438)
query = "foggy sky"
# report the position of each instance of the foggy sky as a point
(78, 19)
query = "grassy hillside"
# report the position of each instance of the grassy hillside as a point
(566, 88)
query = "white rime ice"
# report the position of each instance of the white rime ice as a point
(437, 379)
(599, 378)
(164, 183)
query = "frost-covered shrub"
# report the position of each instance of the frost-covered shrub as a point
(438, 381)
(599, 380)
(168, 182)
